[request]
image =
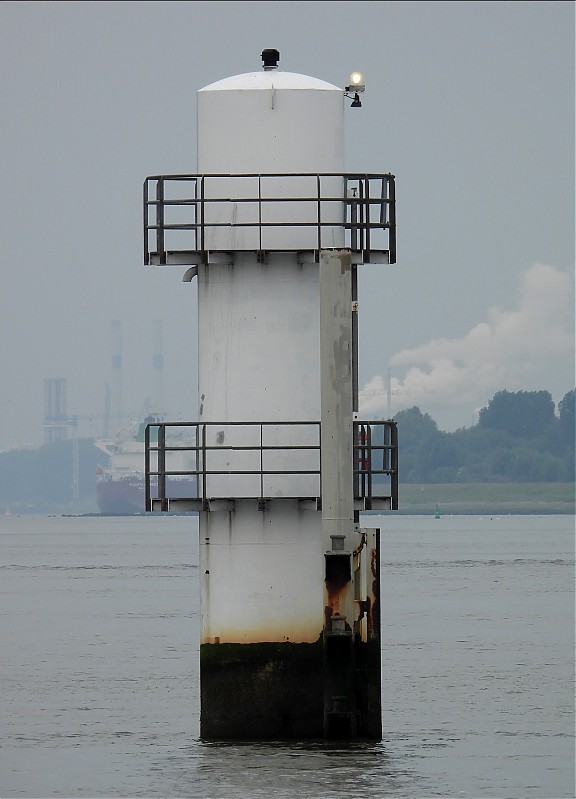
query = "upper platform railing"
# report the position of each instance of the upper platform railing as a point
(262, 461)
(186, 217)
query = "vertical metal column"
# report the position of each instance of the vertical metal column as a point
(336, 392)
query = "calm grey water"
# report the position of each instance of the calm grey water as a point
(99, 666)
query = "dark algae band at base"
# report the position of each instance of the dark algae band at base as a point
(261, 690)
(275, 690)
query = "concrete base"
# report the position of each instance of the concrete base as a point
(265, 691)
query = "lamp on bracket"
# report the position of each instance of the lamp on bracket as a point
(352, 91)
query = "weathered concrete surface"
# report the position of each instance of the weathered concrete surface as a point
(261, 691)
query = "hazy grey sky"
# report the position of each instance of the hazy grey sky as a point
(469, 104)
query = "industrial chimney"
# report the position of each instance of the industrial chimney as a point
(158, 366)
(117, 414)
(55, 409)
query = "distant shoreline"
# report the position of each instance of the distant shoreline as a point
(473, 499)
(487, 498)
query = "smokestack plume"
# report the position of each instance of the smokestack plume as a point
(522, 348)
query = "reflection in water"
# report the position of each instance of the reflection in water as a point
(281, 769)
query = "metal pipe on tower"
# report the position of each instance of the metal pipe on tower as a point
(274, 229)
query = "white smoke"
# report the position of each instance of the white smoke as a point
(513, 350)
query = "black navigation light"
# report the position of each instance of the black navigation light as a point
(270, 58)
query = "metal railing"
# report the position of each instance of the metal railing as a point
(375, 454)
(180, 216)
(283, 455)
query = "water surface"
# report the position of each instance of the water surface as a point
(99, 624)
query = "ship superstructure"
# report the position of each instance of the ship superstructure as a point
(120, 479)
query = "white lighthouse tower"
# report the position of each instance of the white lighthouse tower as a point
(273, 229)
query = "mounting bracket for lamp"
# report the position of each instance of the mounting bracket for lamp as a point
(356, 103)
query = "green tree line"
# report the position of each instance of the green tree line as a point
(519, 438)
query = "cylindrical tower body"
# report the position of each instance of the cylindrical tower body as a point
(259, 360)
(258, 325)
(271, 123)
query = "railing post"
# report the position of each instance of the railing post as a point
(392, 220)
(195, 181)
(260, 212)
(197, 458)
(202, 219)
(162, 467)
(354, 221)
(394, 467)
(160, 220)
(362, 214)
(204, 496)
(383, 201)
(367, 212)
(320, 460)
(369, 462)
(355, 456)
(146, 223)
(319, 204)
(147, 467)
(261, 461)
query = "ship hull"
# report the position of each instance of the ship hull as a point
(127, 495)
(121, 497)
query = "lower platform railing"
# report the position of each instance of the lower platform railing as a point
(201, 465)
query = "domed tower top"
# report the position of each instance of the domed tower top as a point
(270, 121)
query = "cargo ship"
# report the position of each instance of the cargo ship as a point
(120, 482)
